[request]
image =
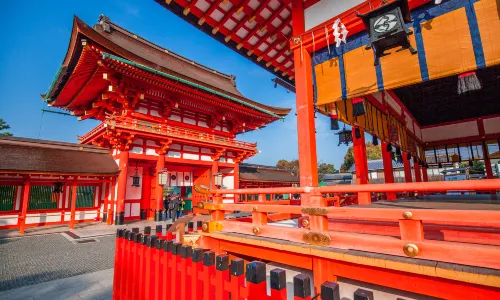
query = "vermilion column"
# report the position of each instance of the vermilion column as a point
(407, 167)
(361, 163)
(416, 168)
(112, 201)
(122, 187)
(305, 107)
(388, 171)
(73, 205)
(236, 172)
(24, 205)
(160, 164)
(425, 176)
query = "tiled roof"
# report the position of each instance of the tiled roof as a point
(40, 156)
(377, 164)
(265, 173)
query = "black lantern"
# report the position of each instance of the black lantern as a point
(58, 187)
(218, 179)
(135, 178)
(408, 157)
(345, 136)
(388, 148)
(374, 140)
(386, 28)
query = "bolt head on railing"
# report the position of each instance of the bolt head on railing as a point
(408, 215)
(305, 223)
(410, 249)
(255, 208)
(256, 230)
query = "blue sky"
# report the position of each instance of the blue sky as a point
(35, 39)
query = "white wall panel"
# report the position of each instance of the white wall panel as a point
(491, 125)
(324, 10)
(135, 209)
(132, 192)
(452, 131)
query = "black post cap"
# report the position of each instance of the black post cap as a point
(209, 258)
(126, 235)
(199, 224)
(176, 248)
(137, 237)
(301, 286)
(158, 228)
(330, 291)
(191, 225)
(186, 251)
(143, 239)
(152, 241)
(147, 230)
(119, 233)
(159, 243)
(167, 246)
(135, 230)
(222, 262)
(131, 236)
(168, 226)
(361, 294)
(278, 279)
(197, 255)
(237, 267)
(256, 272)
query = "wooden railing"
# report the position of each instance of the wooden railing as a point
(410, 242)
(171, 131)
(156, 267)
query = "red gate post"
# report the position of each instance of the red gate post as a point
(199, 225)
(221, 277)
(142, 265)
(127, 288)
(330, 291)
(118, 263)
(207, 274)
(278, 284)
(237, 284)
(361, 163)
(158, 269)
(149, 260)
(190, 226)
(167, 265)
(158, 230)
(174, 278)
(124, 266)
(256, 281)
(388, 171)
(301, 287)
(418, 174)
(407, 167)
(195, 271)
(185, 265)
(136, 265)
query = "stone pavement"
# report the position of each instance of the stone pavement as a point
(96, 285)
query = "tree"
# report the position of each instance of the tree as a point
(324, 168)
(372, 152)
(4, 126)
(292, 166)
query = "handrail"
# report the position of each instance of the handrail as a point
(91, 132)
(176, 131)
(435, 186)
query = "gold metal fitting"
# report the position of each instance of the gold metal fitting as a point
(254, 208)
(296, 40)
(410, 249)
(316, 238)
(200, 205)
(305, 223)
(256, 230)
(314, 211)
(204, 227)
(408, 215)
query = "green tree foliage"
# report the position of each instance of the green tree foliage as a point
(4, 126)
(372, 152)
(325, 168)
(292, 166)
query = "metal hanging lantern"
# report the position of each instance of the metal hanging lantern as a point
(218, 179)
(387, 29)
(58, 187)
(163, 176)
(136, 179)
(345, 136)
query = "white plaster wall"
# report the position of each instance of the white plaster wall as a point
(174, 154)
(135, 209)
(43, 218)
(190, 156)
(452, 131)
(206, 158)
(7, 220)
(18, 197)
(324, 10)
(491, 125)
(392, 103)
(132, 192)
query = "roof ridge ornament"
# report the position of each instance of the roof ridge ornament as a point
(104, 21)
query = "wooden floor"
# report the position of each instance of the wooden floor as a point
(455, 202)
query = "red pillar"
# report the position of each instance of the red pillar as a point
(305, 107)
(407, 167)
(112, 201)
(361, 163)
(388, 171)
(236, 172)
(425, 177)
(73, 205)
(215, 169)
(160, 165)
(416, 168)
(122, 186)
(24, 205)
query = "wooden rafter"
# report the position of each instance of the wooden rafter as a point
(273, 34)
(209, 11)
(229, 15)
(250, 18)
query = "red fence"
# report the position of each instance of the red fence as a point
(155, 267)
